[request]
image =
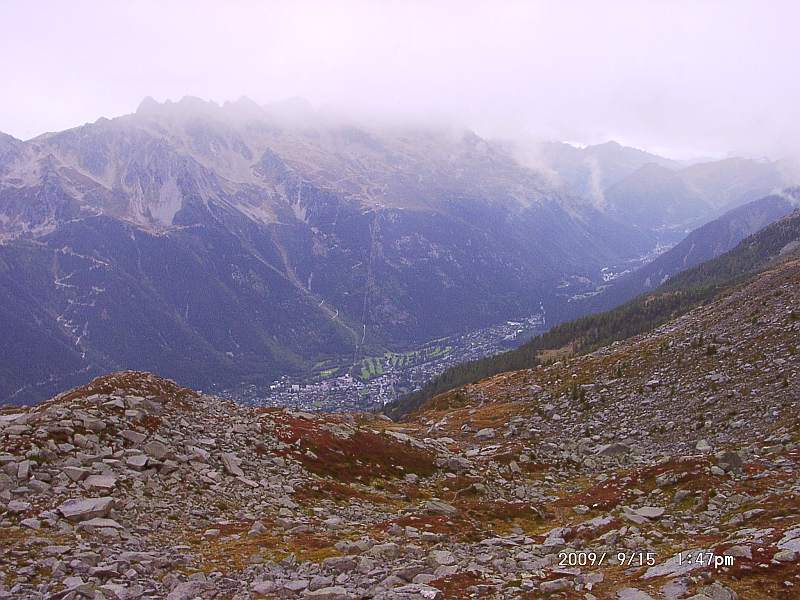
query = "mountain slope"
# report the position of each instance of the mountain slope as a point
(116, 296)
(655, 197)
(702, 244)
(589, 171)
(678, 295)
(728, 183)
(660, 196)
(617, 161)
(670, 201)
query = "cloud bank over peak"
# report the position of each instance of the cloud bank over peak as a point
(683, 78)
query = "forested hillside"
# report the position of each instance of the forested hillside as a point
(675, 297)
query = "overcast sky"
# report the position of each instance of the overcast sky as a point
(684, 78)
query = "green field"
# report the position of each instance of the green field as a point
(374, 366)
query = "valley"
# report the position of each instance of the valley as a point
(373, 382)
(338, 384)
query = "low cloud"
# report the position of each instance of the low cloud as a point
(683, 77)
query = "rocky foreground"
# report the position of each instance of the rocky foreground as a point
(592, 477)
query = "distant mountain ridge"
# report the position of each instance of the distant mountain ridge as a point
(588, 171)
(655, 197)
(657, 194)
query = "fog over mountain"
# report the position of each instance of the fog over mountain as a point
(682, 79)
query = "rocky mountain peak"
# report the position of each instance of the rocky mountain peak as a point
(148, 105)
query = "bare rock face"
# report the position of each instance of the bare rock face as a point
(437, 507)
(83, 509)
(190, 590)
(650, 512)
(730, 461)
(135, 437)
(76, 473)
(231, 463)
(104, 482)
(137, 462)
(633, 594)
(336, 592)
(615, 449)
(156, 449)
(485, 434)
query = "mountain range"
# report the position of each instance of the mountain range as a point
(617, 455)
(225, 244)
(665, 197)
(222, 245)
